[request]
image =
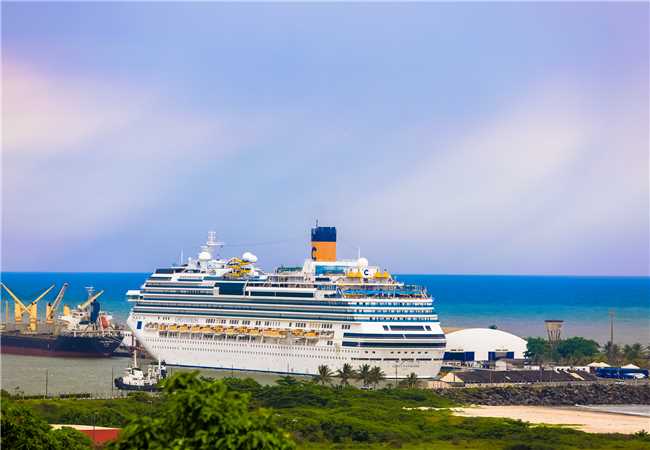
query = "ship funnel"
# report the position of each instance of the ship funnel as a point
(323, 243)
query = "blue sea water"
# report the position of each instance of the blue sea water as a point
(518, 304)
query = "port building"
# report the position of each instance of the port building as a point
(479, 345)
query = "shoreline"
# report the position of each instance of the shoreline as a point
(589, 421)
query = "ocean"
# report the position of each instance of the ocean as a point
(518, 304)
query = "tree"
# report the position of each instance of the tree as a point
(537, 349)
(377, 375)
(576, 349)
(635, 353)
(613, 353)
(287, 380)
(22, 429)
(346, 373)
(363, 374)
(198, 413)
(411, 381)
(324, 375)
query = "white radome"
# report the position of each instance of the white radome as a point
(205, 256)
(362, 263)
(249, 257)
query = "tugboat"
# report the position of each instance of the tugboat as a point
(135, 379)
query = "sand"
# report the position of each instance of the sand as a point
(589, 421)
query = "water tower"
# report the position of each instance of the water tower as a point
(554, 329)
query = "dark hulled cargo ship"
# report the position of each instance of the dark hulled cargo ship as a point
(84, 331)
(89, 346)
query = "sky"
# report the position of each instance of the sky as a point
(453, 138)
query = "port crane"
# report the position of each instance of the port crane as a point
(50, 308)
(89, 301)
(31, 309)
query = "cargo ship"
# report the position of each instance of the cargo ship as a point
(84, 331)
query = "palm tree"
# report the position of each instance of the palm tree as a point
(324, 375)
(363, 374)
(411, 381)
(634, 352)
(613, 353)
(346, 373)
(377, 375)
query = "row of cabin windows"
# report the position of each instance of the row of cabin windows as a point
(267, 323)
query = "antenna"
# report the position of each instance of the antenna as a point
(90, 290)
(213, 242)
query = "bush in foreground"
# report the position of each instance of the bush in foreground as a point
(203, 414)
(22, 429)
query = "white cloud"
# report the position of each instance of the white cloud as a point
(542, 178)
(81, 156)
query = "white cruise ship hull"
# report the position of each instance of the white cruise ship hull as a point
(278, 356)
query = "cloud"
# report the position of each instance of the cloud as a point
(549, 176)
(82, 156)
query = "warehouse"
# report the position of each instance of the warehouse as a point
(483, 344)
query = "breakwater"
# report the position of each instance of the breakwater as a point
(578, 394)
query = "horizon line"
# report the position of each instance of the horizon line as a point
(395, 273)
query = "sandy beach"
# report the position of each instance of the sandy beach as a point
(589, 421)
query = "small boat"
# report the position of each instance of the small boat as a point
(135, 379)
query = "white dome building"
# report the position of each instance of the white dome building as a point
(483, 344)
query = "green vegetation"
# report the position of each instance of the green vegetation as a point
(411, 381)
(345, 374)
(324, 375)
(193, 411)
(23, 429)
(202, 414)
(578, 350)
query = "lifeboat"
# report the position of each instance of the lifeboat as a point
(298, 332)
(173, 327)
(270, 332)
(183, 329)
(254, 332)
(196, 329)
(311, 334)
(206, 330)
(354, 274)
(162, 327)
(230, 330)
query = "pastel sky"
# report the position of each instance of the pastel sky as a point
(439, 138)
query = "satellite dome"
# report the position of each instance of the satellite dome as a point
(205, 256)
(362, 263)
(249, 257)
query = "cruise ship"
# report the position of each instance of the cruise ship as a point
(227, 313)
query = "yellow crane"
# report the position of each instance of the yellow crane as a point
(89, 300)
(31, 309)
(50, 308)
